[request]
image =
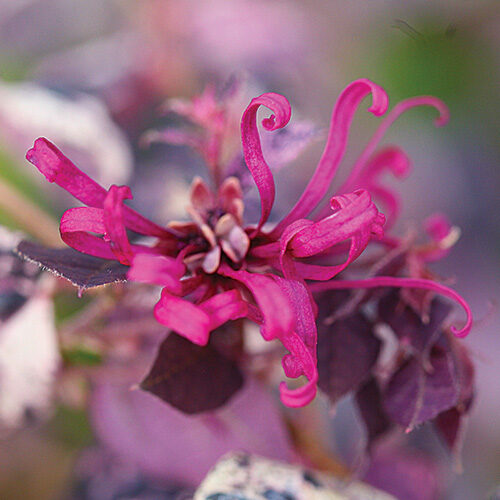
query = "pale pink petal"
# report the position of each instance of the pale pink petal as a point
(252, 149)
(437, 226)
(231, 198)
(201, 197)
(342, 116)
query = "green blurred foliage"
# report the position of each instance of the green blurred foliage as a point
(430, 57)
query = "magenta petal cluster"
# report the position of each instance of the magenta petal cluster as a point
(216, 268)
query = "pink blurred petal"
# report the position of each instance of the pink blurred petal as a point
(143, 430)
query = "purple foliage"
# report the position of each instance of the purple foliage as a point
(372, 412)
(415, 395)
(192, 378)
(82, 270)
(408, 325)
(347, 353)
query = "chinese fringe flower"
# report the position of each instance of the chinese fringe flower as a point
(218, 268)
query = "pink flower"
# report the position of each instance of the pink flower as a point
(217, 268)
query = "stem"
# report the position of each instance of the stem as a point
(29, 216)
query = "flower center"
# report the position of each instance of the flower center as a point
(218, 219)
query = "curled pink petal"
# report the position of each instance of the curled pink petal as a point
(287, 264)
(301, 343)
(252, 149)
(390, 158)
(57, 168)
(286, 310)
(355, 214)
(275, 308)
(389, 281)
(342, 116)
(116, 233)
(392, 116)
(76, 223)
(223, 307)
(183, 317)
(159, 270)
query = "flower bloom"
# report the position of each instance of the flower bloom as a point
(217, 268)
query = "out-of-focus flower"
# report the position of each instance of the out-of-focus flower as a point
(81, 125)
(217, 268)
(29, 355)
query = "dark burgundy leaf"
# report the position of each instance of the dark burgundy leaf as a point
(408, 326)
(375, 419)
(415, 395)
(191, 378)
(464, 371)
(449, 424)
(82, 270)
(347, 353)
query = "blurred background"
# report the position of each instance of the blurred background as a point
(91, 76)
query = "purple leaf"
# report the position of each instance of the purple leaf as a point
(409, 476)
(408, 326)
(172, 447)
(191, 378)
(415, 395)
(82, 270)
(347, 353)
(375, 419)
(450, 424)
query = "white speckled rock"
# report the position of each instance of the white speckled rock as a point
(239, 476)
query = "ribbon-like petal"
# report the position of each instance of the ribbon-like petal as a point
(116, 233)
(252, 148)
(390, 281)
(159, 270)
(355, 214)
(52, 163)
(391, 117)
(183, 317)
(336, 143)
